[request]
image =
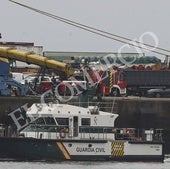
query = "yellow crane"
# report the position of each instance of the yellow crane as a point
(31, 58)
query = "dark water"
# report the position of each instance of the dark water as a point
(84, 165)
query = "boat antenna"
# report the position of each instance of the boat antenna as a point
(105, 34)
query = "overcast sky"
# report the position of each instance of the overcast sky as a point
(129, 18)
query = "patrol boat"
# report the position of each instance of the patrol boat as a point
(66, 132)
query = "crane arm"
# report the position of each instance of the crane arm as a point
(28, 57)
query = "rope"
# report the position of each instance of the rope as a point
(97, 31)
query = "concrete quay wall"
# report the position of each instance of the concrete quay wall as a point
(133, 112)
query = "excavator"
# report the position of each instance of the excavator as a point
(8, 53)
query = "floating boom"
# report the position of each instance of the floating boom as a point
(31, 58)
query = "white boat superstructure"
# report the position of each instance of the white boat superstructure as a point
(63, 121)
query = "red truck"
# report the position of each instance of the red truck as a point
(138, 82)
(124, 82)
(107, 83)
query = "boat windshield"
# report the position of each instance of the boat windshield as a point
(47, 124)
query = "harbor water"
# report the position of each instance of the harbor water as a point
(84, 165)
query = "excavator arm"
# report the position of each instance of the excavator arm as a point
(31, 58)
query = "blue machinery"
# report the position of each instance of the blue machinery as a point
(7, 84)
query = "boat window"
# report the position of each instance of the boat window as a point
(85, 121)
(40, 121)
(62, 121)
(50, 121)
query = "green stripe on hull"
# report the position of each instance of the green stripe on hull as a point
(149, 158)
(82, 129)
(92, 129)
(90, 158)
(30, 149)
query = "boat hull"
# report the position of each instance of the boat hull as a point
(32, 149)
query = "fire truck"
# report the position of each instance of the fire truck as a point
(107, 83)
(118, 82)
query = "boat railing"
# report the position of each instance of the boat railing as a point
(89, 133)
(95, 133)
(122, 134)
(103, 106)
(138, 134)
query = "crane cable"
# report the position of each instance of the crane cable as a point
(97, 31)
